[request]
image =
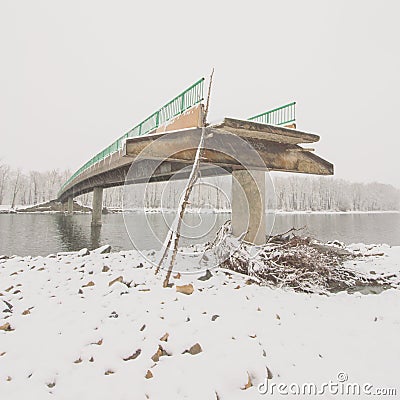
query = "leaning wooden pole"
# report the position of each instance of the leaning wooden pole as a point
(174, 233)
(182, 205)
(208, 99)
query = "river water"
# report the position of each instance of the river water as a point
(43, 234)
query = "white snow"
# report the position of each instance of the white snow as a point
(77, 330)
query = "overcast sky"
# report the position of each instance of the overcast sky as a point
(75, 75)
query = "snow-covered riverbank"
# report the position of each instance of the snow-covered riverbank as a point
(101, 326)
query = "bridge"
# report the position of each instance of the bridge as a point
(164, 145)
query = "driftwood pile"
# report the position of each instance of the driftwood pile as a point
(303, 264)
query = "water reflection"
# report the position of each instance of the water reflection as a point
(42, 234)
(348, 228)
(95, 233)
(72, 233)
(148, 230)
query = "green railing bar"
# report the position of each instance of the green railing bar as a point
(175, 107)
(273, 110)
(289, 115)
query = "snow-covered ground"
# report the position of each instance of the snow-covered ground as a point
(337, 212)
(7, 207)
(101, 326)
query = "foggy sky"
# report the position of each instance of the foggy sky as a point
(75, 75)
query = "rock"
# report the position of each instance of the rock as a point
(26, 312)
(105, 269)
(214, 317)
(159, 353)
(135, 355)
(249, 384)
(205, 277)
(103, 249)
(270, 375)
(4, 257)
(83, 252)
(185, 289)
(119, 279)
(177, 276)
(165, 337)
(78, 361)
(9, 305)
(6, 327)
(89, 284)
(195, 349)
(148, 374)
(108, 372)
(142, 328)
(67, 253)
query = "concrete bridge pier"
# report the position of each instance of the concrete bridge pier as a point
(248, 205)
(97, 205)
(70, 206)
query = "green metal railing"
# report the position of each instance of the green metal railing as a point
(278, 116)
(188, 98)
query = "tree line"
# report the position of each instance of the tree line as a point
(296, 193)
(26, 188)
(292, 192)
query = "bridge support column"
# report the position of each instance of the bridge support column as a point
(248, 205)
(70, 209)
(97, 205)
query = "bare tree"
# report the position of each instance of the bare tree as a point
(4, 176)
(16, 186)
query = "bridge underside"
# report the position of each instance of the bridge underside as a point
(278, 147)
(241, 148)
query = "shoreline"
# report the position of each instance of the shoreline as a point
(114, 210)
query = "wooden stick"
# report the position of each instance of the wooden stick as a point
(208, 99)
(182, 206)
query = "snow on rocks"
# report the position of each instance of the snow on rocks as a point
(102, 326)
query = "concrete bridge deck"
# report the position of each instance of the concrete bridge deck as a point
(277, 148)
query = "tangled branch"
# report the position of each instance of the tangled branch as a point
(302, 264)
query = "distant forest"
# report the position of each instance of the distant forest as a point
(293, 193)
